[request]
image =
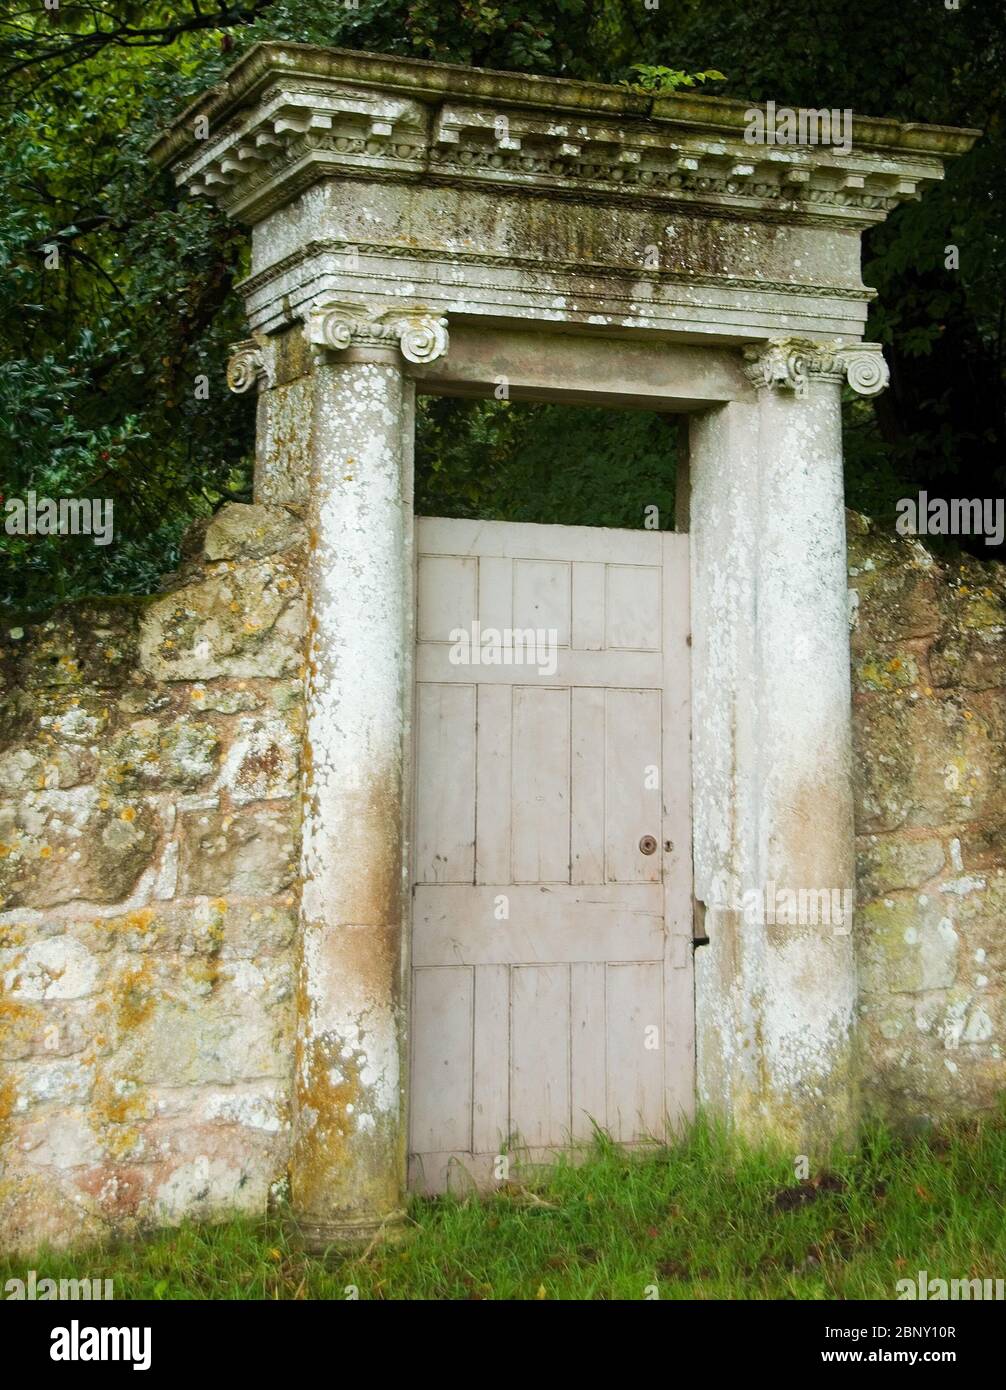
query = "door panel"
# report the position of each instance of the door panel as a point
(551, 956)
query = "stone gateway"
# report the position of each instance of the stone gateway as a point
(293, 900)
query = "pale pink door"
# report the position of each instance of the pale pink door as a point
(552, 938)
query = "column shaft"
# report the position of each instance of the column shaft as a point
(806, 831)
(349, 1156)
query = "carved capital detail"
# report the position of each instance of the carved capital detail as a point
(789, 363)
(420, 336)
(250, 364)
(865, 368)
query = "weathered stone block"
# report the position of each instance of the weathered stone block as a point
(243, 531)
(929, 761)
(909, 943)
(60, 846)
(262, 762)
(897, 601)
(885, 863)
(222, 698)
(973, 659)
(248, 854)
(56, 967)
(248, 621)
(976, 595)
(190, 1022)
(890, 668)
(91, 643)
(41, 768)
(64, 1139)
(181, 753)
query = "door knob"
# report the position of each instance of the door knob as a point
(647, 844)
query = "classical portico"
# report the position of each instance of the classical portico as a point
(418, 226)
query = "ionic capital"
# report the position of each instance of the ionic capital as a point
(251, 363)
(789, 364)
(420, 336)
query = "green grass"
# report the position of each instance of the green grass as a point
(707, 1218)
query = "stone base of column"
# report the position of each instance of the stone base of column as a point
(317, 1237)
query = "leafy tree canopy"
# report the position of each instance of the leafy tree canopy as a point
(116, 293)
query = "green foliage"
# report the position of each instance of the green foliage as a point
(659, 79)
(942, 423)
(100, 356)
(114, 299)
(507, 461)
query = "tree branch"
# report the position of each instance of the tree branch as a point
(85, 46)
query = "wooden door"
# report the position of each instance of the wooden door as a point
(551, 949)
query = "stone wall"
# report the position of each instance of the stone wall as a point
(148, 849)
(148, 860)
(929, 675)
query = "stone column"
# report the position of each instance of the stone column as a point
(806, 844)
(775, 866)
(348, 1166)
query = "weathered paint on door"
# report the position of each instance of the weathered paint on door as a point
(551, 955)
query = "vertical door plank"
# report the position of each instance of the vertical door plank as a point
(677, 802)
(446, 595)
(445, 783)
(442, 1000)
(632, 607)
(540, 785)
(493, 812)
(632, 780)
(679, 1034)
(495, 592)
(541, 596)
(587, 628)
(635, 1073)
(587, 1049)
(679, 991)
(539, 1052)
(491, 1114)
(587, 785)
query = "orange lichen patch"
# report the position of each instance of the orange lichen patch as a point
(127, 813)
(18, 1022)
(327, 1109)
(140, 919)
(135, 996)
(45, 851)
(8, 1099)
(206, 970)
(117, 1103)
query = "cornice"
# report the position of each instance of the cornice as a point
(289, 115)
